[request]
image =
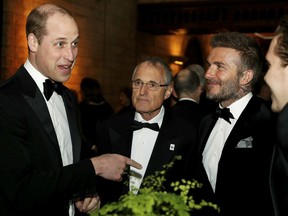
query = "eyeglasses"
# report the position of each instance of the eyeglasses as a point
(153, 86)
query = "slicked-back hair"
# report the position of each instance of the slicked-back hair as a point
(158, 63)
(37, 19)
(249, 50)
(281, 48)
(189, 84)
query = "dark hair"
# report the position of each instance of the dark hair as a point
(189, 83)
(37, 19)
(160, 64)
(249, 49)
(127, 91)
(281, 48)
(90, 86)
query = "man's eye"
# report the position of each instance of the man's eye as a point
(138, 83)
(152, 85)
(75, 44)
(220, 67)
(59, 44)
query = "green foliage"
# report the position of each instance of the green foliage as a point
(154, 200)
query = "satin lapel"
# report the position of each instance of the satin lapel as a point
(205, 130)
(242, 128)
(121, 138)
(72, 118)
(37, 102)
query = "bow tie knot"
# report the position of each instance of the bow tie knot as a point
(224, 113)
(139, 125)
(50, 87)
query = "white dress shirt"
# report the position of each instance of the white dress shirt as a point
(189, 99)
(59, 119)
(142, 146)
(218, 136)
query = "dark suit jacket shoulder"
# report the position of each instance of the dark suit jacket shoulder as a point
(279, 166)
(30, 161)
(188, 110)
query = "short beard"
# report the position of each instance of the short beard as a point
(229, 91)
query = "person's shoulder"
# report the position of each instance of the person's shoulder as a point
(259, 112)
(260, 105)
(71, 94)
(126, 109)
(14, 86)
(178, 121)
(121, 117)
(11, 82)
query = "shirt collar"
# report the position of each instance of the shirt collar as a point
(189, 99)
(38, 77)
(238, 106)
(157, 119)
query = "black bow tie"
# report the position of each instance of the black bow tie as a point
(49, 87)
(139, 125)
(224, 113)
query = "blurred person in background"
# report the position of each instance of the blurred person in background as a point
(124, 100)
(93, 109)
(188, 90)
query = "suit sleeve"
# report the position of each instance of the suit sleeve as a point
(24, 185)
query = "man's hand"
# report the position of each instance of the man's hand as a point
(112, 166)
(89, 204)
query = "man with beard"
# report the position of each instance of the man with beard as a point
(235, 144)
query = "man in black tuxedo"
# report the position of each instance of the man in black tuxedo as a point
(236, 141)
(188, 90)
(276, 78)
(39, 139)
(152, 148)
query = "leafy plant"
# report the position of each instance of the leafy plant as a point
(154, 200)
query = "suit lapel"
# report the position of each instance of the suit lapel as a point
(242, 128)
(37, 103)
(166, 142)
(71, 117)
(205, 130)
(121, 136)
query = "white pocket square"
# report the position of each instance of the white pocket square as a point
(245, 143)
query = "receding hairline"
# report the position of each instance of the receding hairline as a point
(49, 10)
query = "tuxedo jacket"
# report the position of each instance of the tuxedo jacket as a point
(279, 166)
(33, 180)
(189, 110)
(116, 137)
(242, 186)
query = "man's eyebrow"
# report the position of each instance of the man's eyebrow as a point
(66, 39)
(76, 39)
(218, 63)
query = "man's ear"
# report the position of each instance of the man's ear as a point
(174, 94)
(247, 77)
(168, 92)
(32, 43)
